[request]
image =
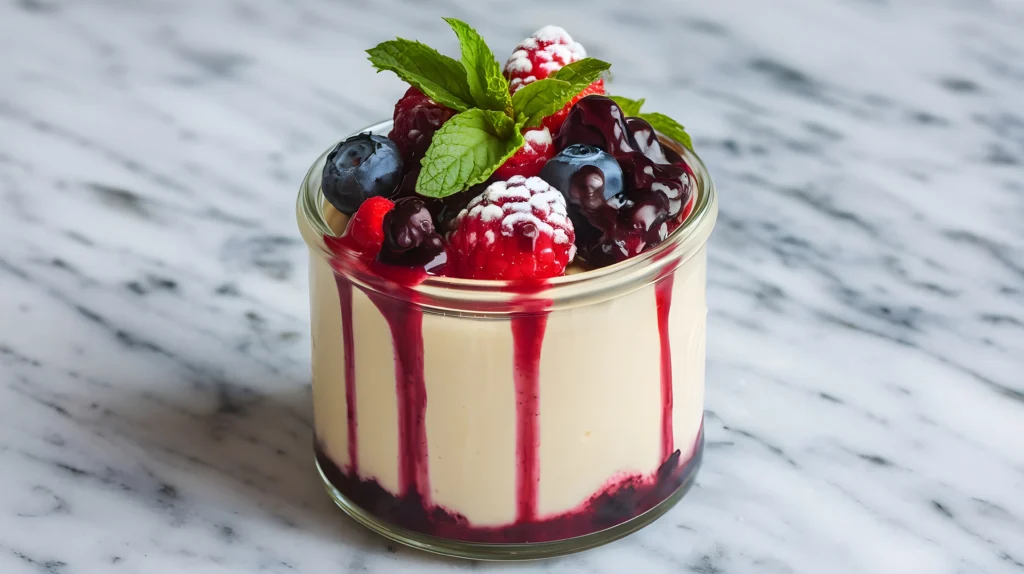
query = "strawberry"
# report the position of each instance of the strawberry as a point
(530, 158)
(417, 117)
(515, 229)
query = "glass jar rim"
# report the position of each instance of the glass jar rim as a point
(475, 296)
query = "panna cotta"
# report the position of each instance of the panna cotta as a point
(508, 306)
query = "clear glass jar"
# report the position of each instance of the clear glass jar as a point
(475, 419)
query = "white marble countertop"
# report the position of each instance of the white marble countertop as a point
(866, 345)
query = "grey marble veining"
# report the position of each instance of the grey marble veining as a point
(866, 345)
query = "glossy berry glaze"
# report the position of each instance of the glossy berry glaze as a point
(621, 499)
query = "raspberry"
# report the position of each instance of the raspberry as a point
(530, 158)
(417, 117)
(555, 120)
(365, 232)
(540, 55)
(515, 229)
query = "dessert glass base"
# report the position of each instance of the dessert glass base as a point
(330, 473)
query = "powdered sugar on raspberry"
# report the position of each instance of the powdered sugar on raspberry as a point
(529, 159)
(518, 228)
(519, 62)
(540, 55)
(541, 137)
(515, 83)
(519, 201)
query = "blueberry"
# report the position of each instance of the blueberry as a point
(591, 181)
(359, 168)
(601, 181)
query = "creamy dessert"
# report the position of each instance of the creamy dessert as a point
(508, 304)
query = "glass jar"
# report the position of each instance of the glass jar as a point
(475, 419)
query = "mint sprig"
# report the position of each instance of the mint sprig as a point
(660, 122)
(582, 73)
(466, 150)
(487, 84)
(537, 100)
(436, 75)
(487, 131)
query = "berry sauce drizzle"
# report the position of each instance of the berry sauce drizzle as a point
(528, 340)
(348, 342)
(663, 297)
(618, 501)
(406, 322)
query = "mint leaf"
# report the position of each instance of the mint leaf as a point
(668, 127)
(466, 151)
(436, 75)
(630, 108)
(487, 85)
(537, 100)
(582, 73)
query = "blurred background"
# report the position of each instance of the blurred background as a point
(866, 285)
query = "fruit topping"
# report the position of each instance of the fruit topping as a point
(646, 140)
(365, 232)
(443, 209)
(555, 120)
(463, 119)
(672, 156)
(545, 52)
(449, 208)
(647, 218)
(530, 158)
(590, 180)
(661, 123)
(645, 214)
(614, 248)
(408, 186)
(470, 139)
(540, 56)
(515, 229)
(596, 121)
(561, 169)
(410, 239)
(417, 117)
(643, 175)
(361, 167)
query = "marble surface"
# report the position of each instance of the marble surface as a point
(866, 347)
